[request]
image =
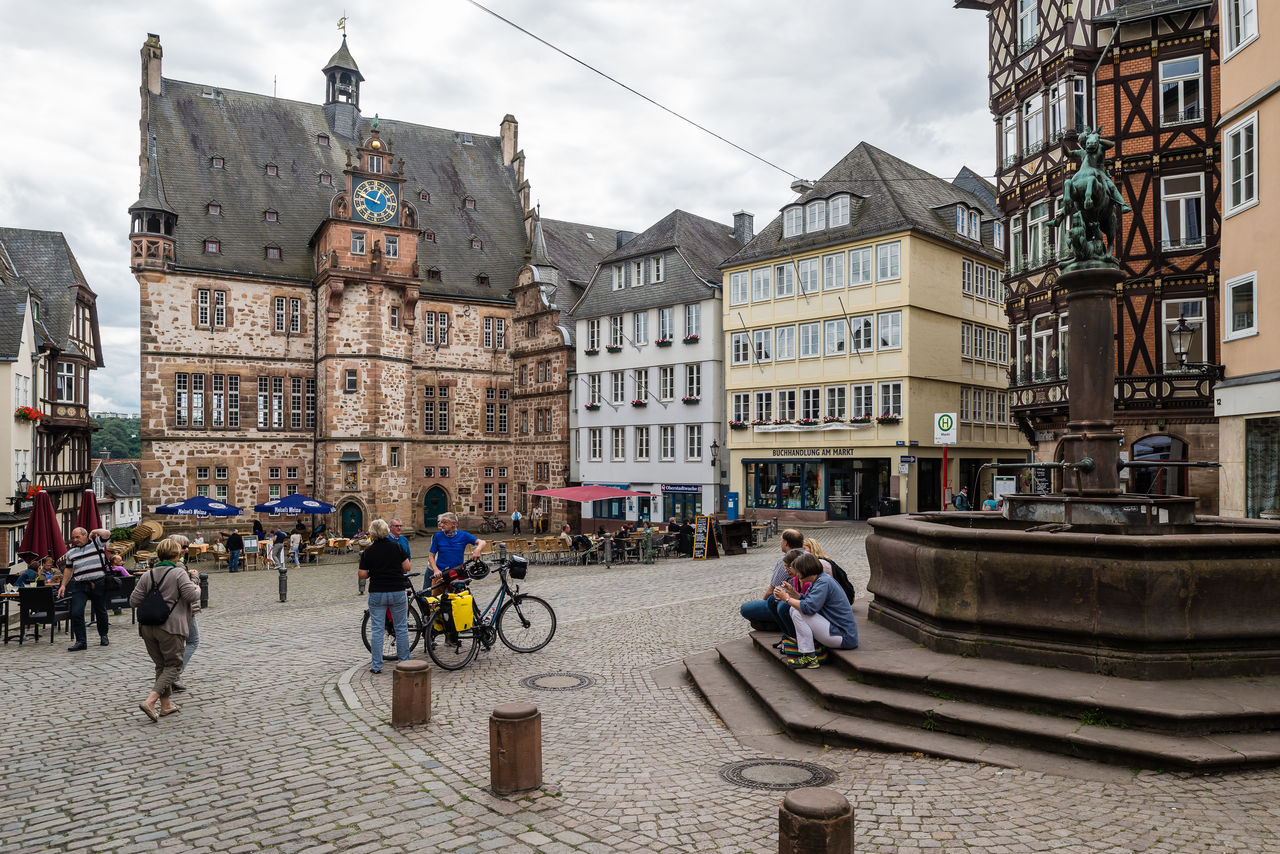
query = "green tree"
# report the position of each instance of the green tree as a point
(118, 438)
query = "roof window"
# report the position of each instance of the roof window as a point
(216, 162)
(272, 170)
(271, 216)
(326, 180)
(322, 140)
(213, 209)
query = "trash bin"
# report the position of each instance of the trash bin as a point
(890, 507)
(735, 534)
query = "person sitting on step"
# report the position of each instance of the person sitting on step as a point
(822, 613)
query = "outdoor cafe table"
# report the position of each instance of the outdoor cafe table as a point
(195, 550)
(338, 544)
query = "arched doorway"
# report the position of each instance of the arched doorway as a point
(352, 519)
(1159, 481)
(434, 503)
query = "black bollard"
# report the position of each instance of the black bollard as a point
(284, 583)
(204, 591)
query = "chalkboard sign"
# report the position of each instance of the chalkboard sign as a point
(1043, 481)
(704, 545)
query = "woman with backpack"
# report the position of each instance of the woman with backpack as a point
(165, 598)
(820, 614)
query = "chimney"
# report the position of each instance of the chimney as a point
(743, 227)
(151, 55)
(508, 135)
(624, 237)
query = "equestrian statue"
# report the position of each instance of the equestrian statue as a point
(1092, 205)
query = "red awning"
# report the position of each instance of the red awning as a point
(587, 493)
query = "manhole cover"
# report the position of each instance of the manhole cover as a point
(558, 682)
(776, 774)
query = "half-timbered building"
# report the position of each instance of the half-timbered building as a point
(1145, 73)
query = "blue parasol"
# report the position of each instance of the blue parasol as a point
(198, 505)
(295, 505)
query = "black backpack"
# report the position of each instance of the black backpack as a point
(153, 610)
(842, 578)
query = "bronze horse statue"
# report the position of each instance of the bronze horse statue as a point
(1091, 202)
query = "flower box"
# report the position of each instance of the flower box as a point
(691, 339)
(663, 342)
(831, 419)
(780, 421)
(639, 403)
(807, 422)
(759, 422)
(28, 413)
(738, 425)
(690, 400)
(591, 351)
(860, 419)
(888, 419)
(591, 407)
(613, 349)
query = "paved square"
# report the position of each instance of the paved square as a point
(267, 756)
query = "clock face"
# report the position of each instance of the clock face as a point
(375, 201)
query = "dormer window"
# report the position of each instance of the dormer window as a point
(477, 243)
(975, 225)
(815, 216)
(838, 211)
(271, 216)
(216, 162)
(469, 203)
(272, 170)
(322, 140)
(467, 139)
(482, 280)
(213, 247)
(793, 222)
(424, 196)
(375, 163)
(429, 237)
(433, 275)
(213, 209)
(326, 180)
(997, 232)
(273, 253)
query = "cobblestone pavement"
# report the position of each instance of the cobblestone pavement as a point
(266, 755)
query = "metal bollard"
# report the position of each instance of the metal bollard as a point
(815, 821)
(411, 693)
(515, 748)
(284, 583)
(204, 591)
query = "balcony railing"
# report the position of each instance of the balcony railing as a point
(1182, 244)
(1033, 148)
(1009, 161)
(1183, 388)
(1190, 114)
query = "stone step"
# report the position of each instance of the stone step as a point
(832, 689)
(793, 707)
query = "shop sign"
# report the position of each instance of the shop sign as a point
(818, 452)
(681, 487)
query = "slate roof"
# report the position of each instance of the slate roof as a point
(42, 263)
(701, 242)
(969, 180)
(343, 59)
(120, 477)
(575, 248)
(888, 195)
(193, 123)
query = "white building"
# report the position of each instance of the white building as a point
(648, 397)
(119, 490)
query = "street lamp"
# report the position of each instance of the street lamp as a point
(1181, 334)
(715, 452)
(24, 483)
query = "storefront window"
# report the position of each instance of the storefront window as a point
(786, 486)
(610, 508)
(1262, 468)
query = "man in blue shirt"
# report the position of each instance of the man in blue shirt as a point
(397, 536)
(449, 546)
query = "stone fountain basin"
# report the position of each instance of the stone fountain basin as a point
(1180, 601)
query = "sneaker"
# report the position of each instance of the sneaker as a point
(809, 662)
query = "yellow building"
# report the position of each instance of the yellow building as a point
(870, 306)
(1248, 400)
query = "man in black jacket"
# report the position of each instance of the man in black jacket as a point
(235, 548)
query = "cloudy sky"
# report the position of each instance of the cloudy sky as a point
(798, 83)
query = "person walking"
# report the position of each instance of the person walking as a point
(235, 548)
(515, 521)
(165, 642)
(279, 541)
(384, 566)
(85, 568)
(295, 546)
(961, 499)
(193, 630)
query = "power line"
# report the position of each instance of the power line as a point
(638, 94)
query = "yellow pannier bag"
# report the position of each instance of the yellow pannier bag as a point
(463, 610)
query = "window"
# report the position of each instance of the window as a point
(619, 436)
(762, 344)
(1038, 234)
(666, 323)
(494, 334)
(992, 337)
(202, 307)
(357, 243)
(835, 338)
(1079, 102)
(272, 253)
(593, 334)
(322, 140)
(655, 268)
(1009, 140)
(213, 209)
(966, 340)
(595, 443)
(993, 284)
(295, 403)
(962, 220)
(739, 288)
(618, 386)
(890, 323)
(862, 338)
(277, 402)
(392, 244)
(966, 276)
(787, 404)
(593, 388)
(477, 243)
(833, 271)
(862, 402)
(1192, 312)
(815, 216)
(784, 280)
(810, 270)
(997, 235)
(975, 225)
(615, 331)
(619, 277)
(641, 380)
(810, 404)
(860, 269)
(1033, 125)
(979, 280)
(1242, 296)
(203, 490)
(693, 380)
(295, 315)
(740, 348)
(637, 273)
(668, 439)
(693, 319)
(394, 319)
(1028, 24)
(1183, 200)
(978, 346)
(1180, 90)
(891, 399)
(280, 314)
(642, 443)
(272, 170)
(666, 382)
(1241, 25)
(352, 383)
(640, 327)
(810, 340)
(742, 406)
(442, 328)
(66, 382)
(888, 261)
(326, 180)
(838, 211)
(375, 163)
(836, 407)
(213, 247)
(1015, 243)
(761, 284)
(764, 406)
(1057, 110)
(1002, 348)
(693, 441)
(1241, 162)
(792, 222)
(217, 163)
(784, 343)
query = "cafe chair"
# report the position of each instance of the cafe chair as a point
(38, 607)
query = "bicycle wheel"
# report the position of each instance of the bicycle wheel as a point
(526, 623)
(389, 635)
(449, 648)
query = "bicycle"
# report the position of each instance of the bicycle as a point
(416, 627)
(492, 524)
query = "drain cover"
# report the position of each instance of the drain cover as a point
(558, 682)
(776, 774)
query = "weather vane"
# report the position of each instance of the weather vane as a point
(342, 24)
